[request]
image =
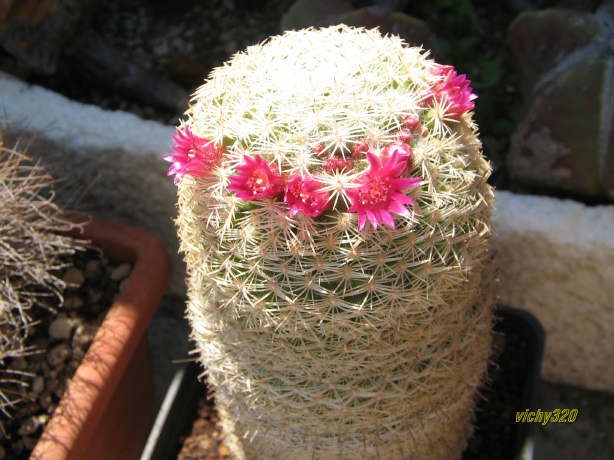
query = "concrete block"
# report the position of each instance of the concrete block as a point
(555, 259)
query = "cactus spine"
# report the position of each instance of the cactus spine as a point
(32, 250)
(334, 214)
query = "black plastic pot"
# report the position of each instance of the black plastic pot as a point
(513, 387)
(514, 380)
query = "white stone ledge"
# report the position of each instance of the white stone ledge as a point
(77, 125)
(115, 156)
(555, 257)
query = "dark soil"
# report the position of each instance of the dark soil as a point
(59, 342)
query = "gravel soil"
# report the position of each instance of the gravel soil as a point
(59, 342)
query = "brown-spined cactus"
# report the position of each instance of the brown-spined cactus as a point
(31, 253)
(334, 214)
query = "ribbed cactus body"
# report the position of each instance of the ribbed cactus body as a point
(321, 340)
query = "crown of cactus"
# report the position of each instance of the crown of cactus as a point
(334, 214)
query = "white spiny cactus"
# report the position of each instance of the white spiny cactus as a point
(334, 214)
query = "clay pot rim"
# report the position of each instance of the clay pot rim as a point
(88, 394)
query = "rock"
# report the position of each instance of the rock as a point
(83, 337)
(35, 32)
(74, 277)
(414, 31)
(73, 302)
(311, 13)
(121, 272)
(93, 269)
(61, 328)
(29, 426)
(563, 141)
(38, 385)
(58, 355)
(185, 70)
(46, 402)
(307, 13)
(107, 66)
(28, 410)
(19, 364)
(93, 295)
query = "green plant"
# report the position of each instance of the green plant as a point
(334, 214)
(31, 251)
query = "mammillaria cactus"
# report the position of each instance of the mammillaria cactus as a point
(334, 214)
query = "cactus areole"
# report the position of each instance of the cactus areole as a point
(334, 214)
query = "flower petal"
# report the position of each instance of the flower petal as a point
(306, 196)
(387, 218)
(193, 155)
(380, 190)
(255, 179)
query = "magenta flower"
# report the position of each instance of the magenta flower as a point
(194, 156)
(306, 196)
(360, 148)
(453, 91)
(381, 191)
(402, 148)
(256, 180)
(337, 163)
(411, 122)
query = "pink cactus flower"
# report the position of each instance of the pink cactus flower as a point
(404, 135)
(256, 180)
(320, 150)
(411, 122)
(403, 149)
(360, 148)
(193, 156)
(453, 91)
(338, 163)
(306, 196)
(380, 192)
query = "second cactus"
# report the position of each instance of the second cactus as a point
(334, 213)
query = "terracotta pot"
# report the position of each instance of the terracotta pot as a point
(105, 412)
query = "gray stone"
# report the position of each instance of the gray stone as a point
(58, 355)
(121, 272)
(61, 328)
(74, 277)
(38, 385)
